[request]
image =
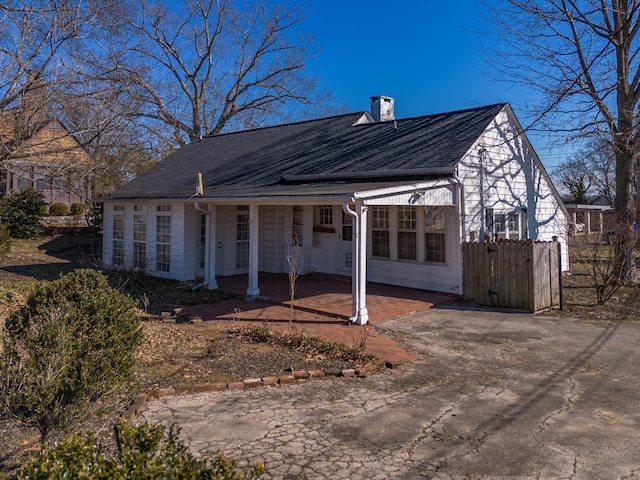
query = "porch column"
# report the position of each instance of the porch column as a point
(211, 250)
(363, 312)
(588, 221)
(252, 290)
(601, 221)
(360, 314)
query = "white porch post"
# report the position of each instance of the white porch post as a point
(355, 271)
(252, 290)
(588, 221)
(360, 314)
(363, 312)
(601, 221)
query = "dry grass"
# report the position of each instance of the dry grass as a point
(171, 354)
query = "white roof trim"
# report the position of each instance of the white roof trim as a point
(441, 192)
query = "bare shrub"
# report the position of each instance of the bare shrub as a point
(294, 262)
(596, 256)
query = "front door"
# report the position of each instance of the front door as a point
(345, 244)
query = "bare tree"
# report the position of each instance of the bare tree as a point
(574, 176)
(33, 37)
(601, 164)
(45, 82)
(582, 55)
(589, 175)
(209, 65)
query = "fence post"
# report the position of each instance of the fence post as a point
(559, 247)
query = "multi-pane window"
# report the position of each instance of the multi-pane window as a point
(325, 215)
(43, 181)
(407, 222)
(139, 241)
(380, 231)
(163, 239)
(434, 234)
(514, 226)
(242, 236)
(25, 181)
(488, 223)
(118, 236)
(500, 224)
(347, 227)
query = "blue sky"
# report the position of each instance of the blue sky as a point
(431, 56)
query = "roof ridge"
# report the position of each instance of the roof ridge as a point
(280, 125)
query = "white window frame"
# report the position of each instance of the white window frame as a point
(163, 238)
(407, 225)
(242, 236)
(118, 232)
(325, 215)
(380, 224)
(435, 232)
(139, 241)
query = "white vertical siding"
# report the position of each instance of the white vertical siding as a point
(272, 238)
(227, 238)
(107, 235)
(178, 264)
(191, 241)
(323, 253)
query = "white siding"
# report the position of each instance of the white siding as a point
(323, 253)
(418, 273)
(227, 238)
(177, 265)
(511, 179)
(178, 247)
(272, 238)
(191, 239)
(107, 235)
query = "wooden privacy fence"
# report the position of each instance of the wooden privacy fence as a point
(524, 275)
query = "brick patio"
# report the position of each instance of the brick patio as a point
(322, 307)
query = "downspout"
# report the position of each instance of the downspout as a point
(355, 270)
(483, 228)
(207, 250)
(359, 286)
(462, 227)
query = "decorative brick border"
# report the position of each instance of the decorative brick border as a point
(139, 403)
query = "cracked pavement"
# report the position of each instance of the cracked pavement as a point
(493, 395)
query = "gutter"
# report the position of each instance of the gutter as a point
(376, 174)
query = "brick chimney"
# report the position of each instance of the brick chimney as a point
(382, 108)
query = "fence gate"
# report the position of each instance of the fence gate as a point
(512, 274)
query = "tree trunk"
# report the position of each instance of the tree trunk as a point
(624, 216)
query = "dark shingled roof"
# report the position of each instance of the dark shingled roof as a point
(326, 156)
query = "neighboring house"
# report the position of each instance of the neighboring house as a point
(363, 194)
(38, 152)
(587, 218)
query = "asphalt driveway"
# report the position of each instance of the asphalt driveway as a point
(493, 395)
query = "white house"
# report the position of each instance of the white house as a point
(363, 194)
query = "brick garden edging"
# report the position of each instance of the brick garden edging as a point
(139, 403)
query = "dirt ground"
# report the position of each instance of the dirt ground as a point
(172, 354)
(177, 354)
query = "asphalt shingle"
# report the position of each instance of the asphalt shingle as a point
(244, 163)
